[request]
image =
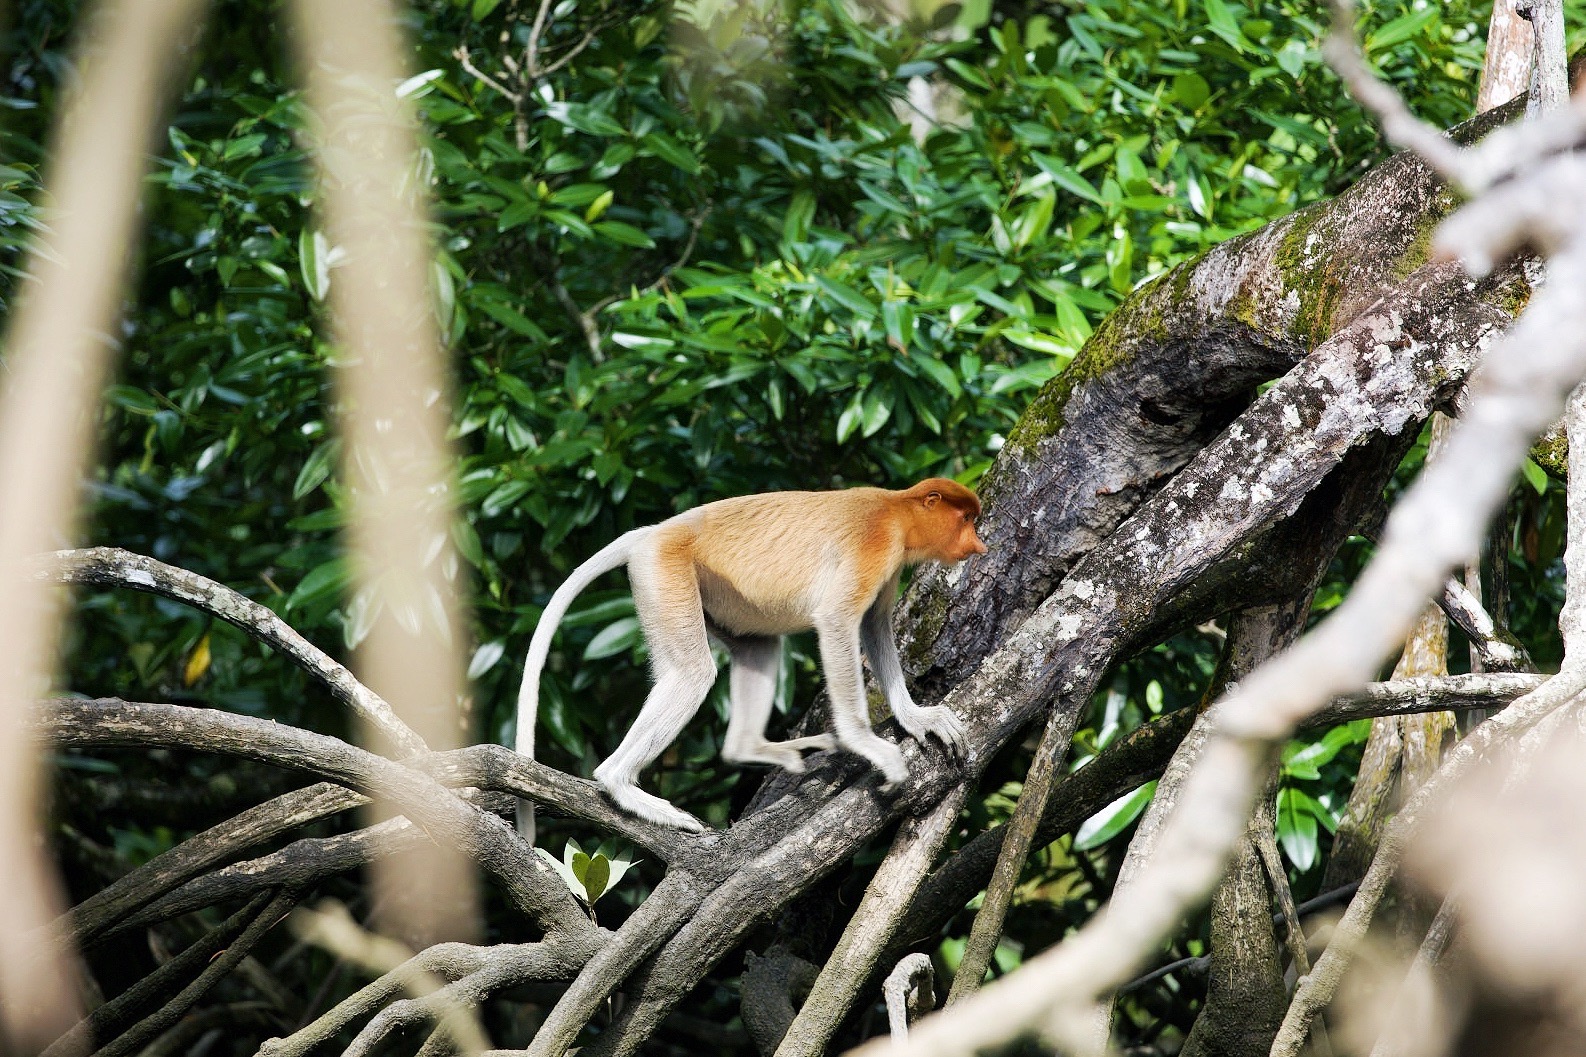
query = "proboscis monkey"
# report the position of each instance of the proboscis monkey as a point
(747, 571)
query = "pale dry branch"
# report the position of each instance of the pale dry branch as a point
(489, 968)
(1318, 988)
(395, 410)
(1419, 1022)
(1502, 155)
(1402, 128)
(330, 926)
(58, 348)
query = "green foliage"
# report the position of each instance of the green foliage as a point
(589, 875)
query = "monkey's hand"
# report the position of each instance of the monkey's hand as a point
(936, 722)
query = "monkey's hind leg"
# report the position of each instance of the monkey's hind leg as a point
(755, 661)
(666, 595)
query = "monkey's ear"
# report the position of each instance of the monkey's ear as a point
(931, 499)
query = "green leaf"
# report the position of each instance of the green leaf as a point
(877, 409)
(131, 399)
(898, 318)
(800, 211)
(503, 498)
(419, 84)
(313, 259)
(1401, 29)
(1222, 22)
(1292, 58)
(625, 234)
(486, 657)
(1067, 178)
(596, 877)
(563, 871)
(1297, 829)
(316, 468)
(670, 150)
(847, 296)
(851, 418)
(617, 637)
(1191, 90)
(1113, 819)
(1033, 222)
(940, 373)
(323, 583)
(1535, 476)
(584, 118)
(599, 206)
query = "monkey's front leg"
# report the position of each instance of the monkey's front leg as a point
(881, 647)
(839, 644)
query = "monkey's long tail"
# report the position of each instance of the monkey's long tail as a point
(612, 556)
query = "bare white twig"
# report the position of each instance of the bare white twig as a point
(908, 990)
(1503, 154)
(395, 414)
(1402, 128)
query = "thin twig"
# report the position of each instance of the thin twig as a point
(460, 53)
(909, 986)
(113, 567)
(987, 929)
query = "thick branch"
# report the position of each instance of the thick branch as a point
(870, 929)
(532, 886)
(97, 914)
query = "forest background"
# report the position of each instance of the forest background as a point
(705, 250)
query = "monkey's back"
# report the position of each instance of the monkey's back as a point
(770, 564)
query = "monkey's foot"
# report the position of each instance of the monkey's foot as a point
(888, 759)
(636, 801)
(936, 722)
(788, 755)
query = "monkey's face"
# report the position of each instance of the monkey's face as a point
(947, 518)
(961, 536)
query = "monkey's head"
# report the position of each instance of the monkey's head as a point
(944, 521)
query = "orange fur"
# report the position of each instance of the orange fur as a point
(750, 570)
